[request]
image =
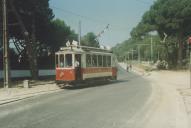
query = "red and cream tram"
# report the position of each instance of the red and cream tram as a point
(81, 63)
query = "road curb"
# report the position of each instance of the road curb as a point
(26, 96)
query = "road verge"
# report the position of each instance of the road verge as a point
(9, 95)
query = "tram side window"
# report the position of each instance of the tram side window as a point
(88, 60)
(104, 61)
(68, 60)
(94, 60)
(61, 61)
(109, 61)
(56, 60)
(100, 61)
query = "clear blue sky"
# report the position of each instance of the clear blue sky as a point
(122, 15)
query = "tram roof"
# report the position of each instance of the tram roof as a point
(82, 49)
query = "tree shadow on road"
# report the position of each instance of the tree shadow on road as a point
(93, 84)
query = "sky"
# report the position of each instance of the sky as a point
(94, 15)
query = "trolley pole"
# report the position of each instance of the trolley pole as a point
(79, 35)
(5, 46)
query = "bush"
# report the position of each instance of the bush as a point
(162, 64)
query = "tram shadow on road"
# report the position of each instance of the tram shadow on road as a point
(93, 84)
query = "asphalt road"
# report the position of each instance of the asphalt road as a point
(113, 105)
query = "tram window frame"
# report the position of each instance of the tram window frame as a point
(100, 61)
(56, 60)
(70, 63)
(94, 60)
(104, 61)
(108, 61)
(88, 60)
(61, 62)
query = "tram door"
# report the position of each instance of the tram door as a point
(77, 64)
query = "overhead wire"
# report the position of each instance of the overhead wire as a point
(116, 27)
(112, 26)
(78, 15)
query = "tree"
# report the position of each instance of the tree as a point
(28, 21)
(58, 34)
(89, 40)
(172, 17)
(45, 35)
(123, 51)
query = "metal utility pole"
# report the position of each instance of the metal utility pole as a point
(190, 67)
(5, 46)
(189, 48)
(79, 35)
(132, 53)
(158, 55)
(139, 54)
(128, 55)
(139, 47)
(151, 49)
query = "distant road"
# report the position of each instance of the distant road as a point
(115, 105)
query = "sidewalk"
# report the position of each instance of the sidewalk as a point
(173, 100)
(172, 106)
(8, 95)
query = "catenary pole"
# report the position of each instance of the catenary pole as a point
(151, 49)
(189, 50)
(5, 46)
(139, 54)
(190, 66)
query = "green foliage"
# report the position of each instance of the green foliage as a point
(58, 34)
(89, 40)
(31, 12)
(49, 34)
(141, 30)
(172, 17)
(123, 51)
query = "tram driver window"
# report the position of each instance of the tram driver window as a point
(88, 60)
(109, 61)
(61, 61)
(94, 60)
(104, 61)
(68, 60)
(100, 61)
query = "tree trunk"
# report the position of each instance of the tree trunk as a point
(180, 48)
(32, 61)
(33, 54)
(167, 53)
(30, 44)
